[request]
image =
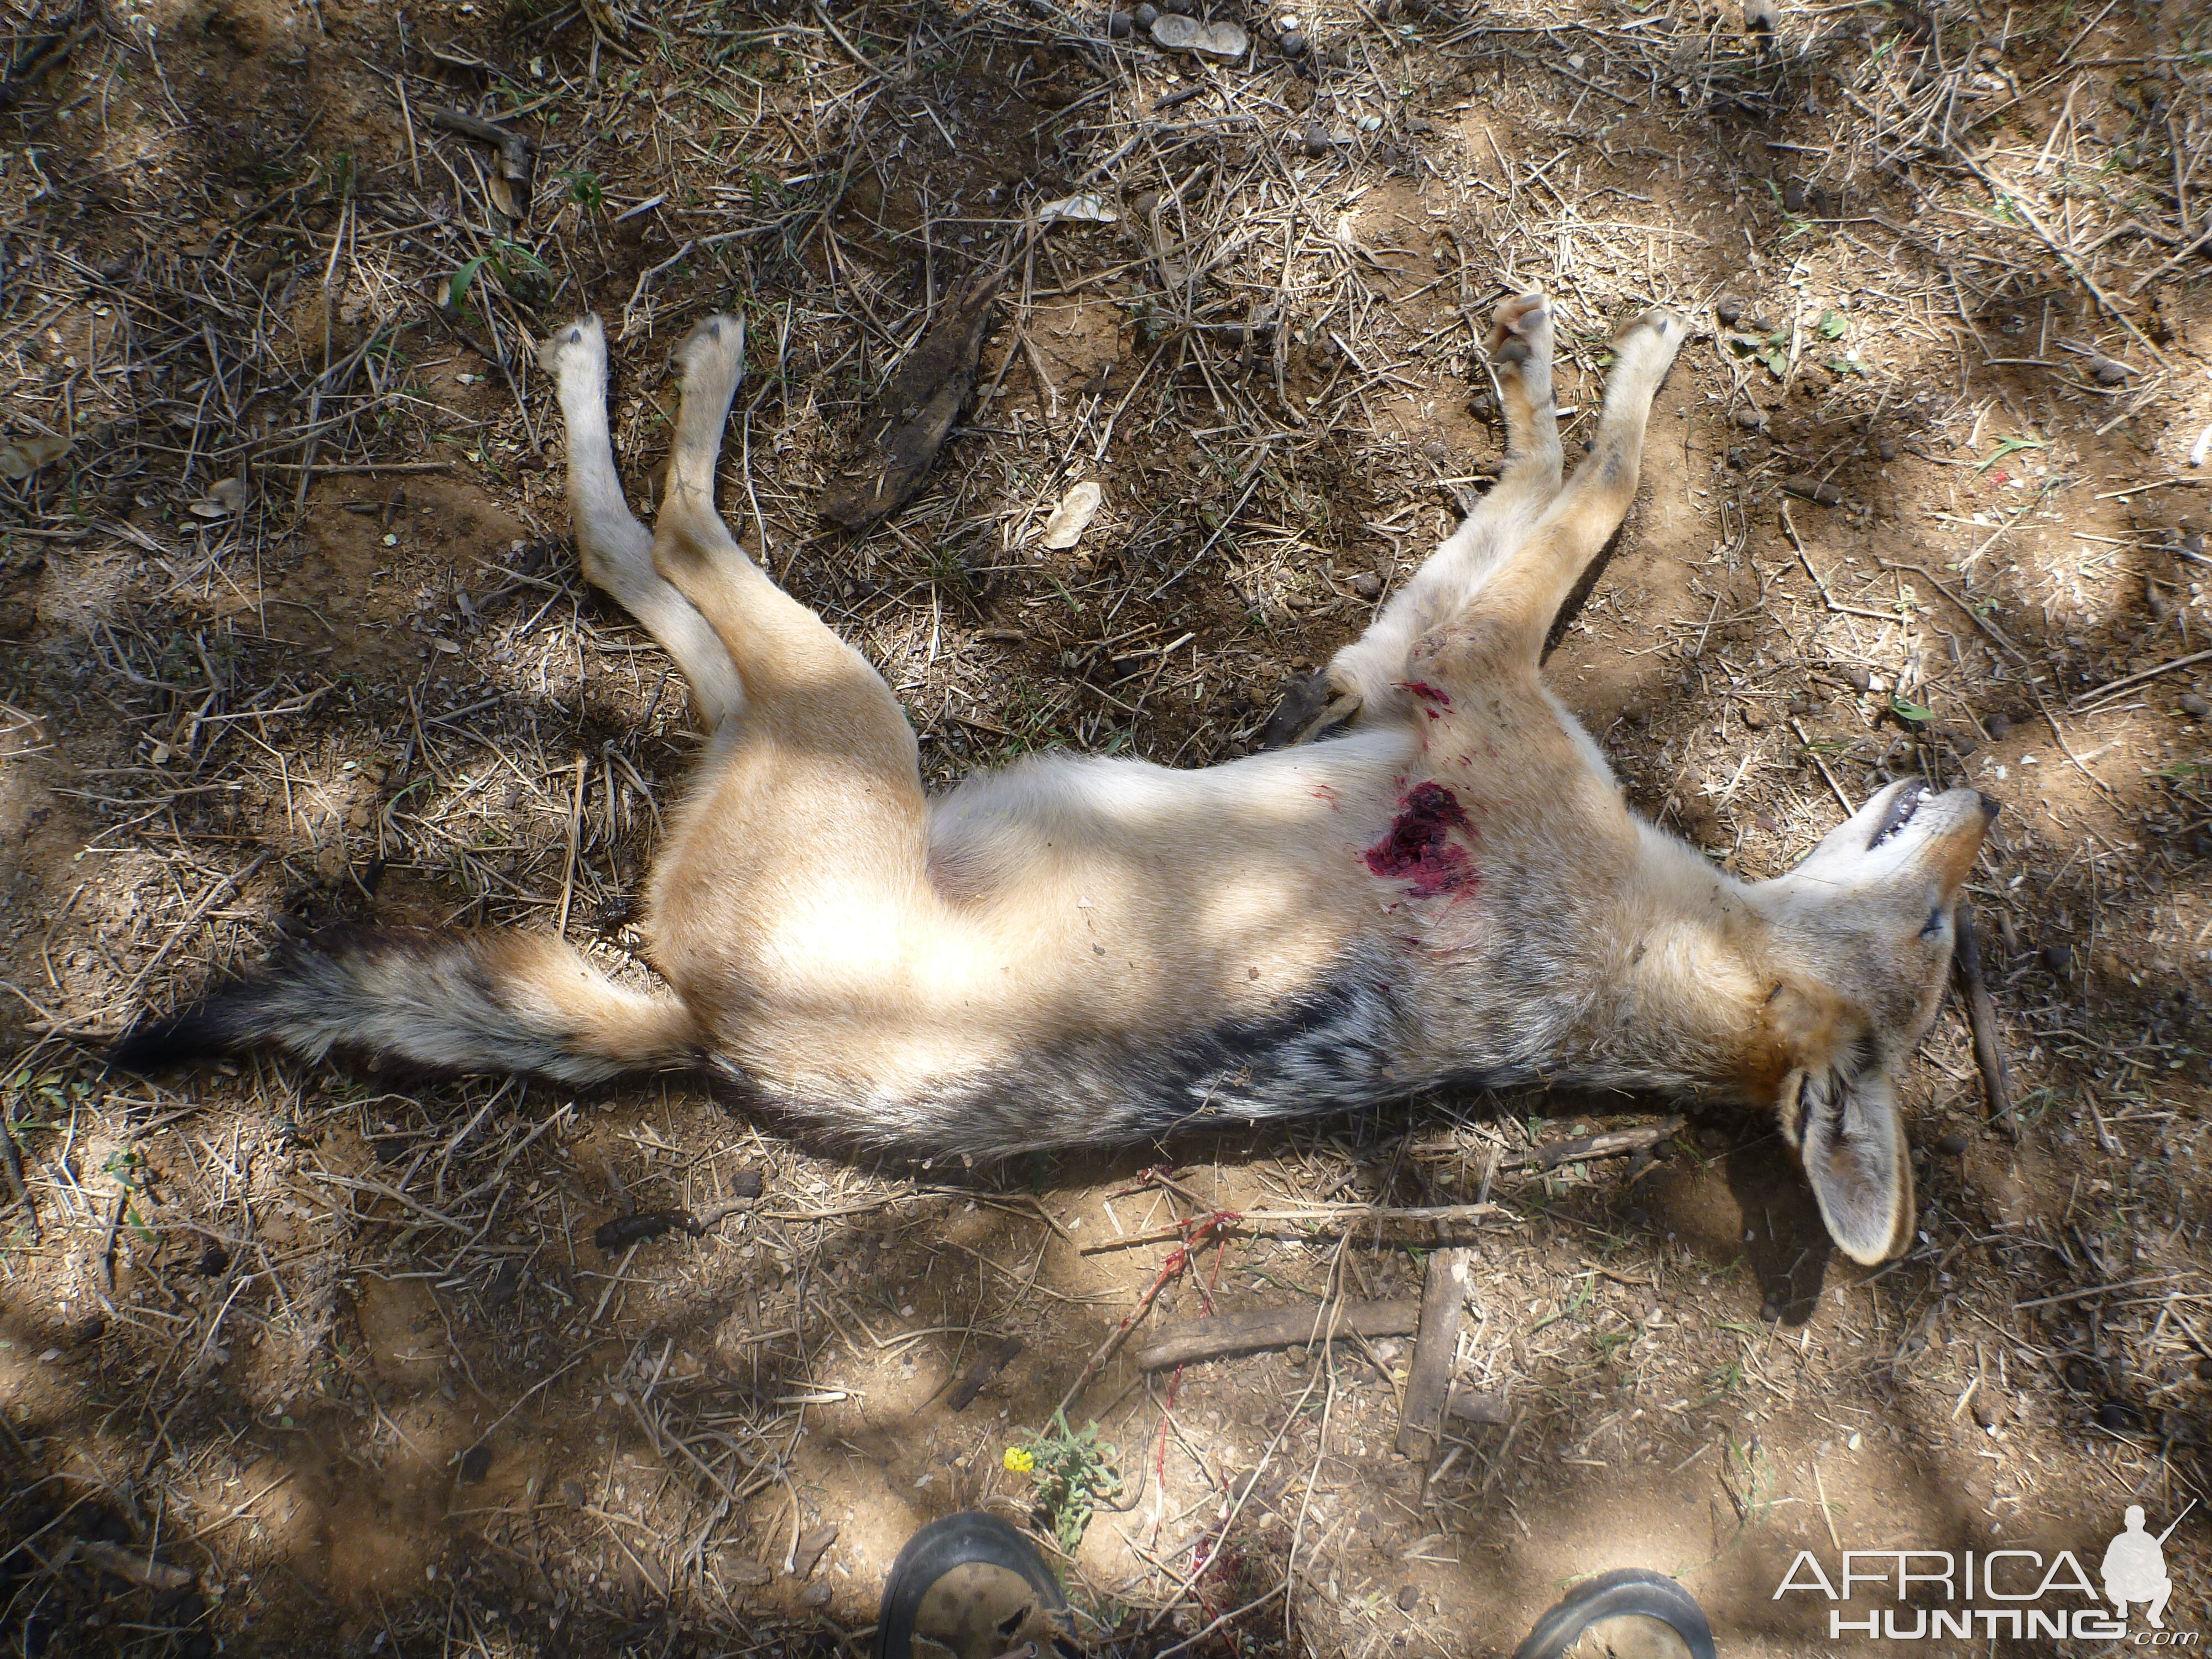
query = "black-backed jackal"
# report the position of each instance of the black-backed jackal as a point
(1078, 951)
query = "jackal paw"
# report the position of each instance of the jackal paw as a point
(579, 348)
(1521, 330)
(1658, 330)
(713, 353)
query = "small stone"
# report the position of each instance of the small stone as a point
(2057, 959)
(1996, 726)
(1857, 678)
(1180, 7)
(1409, 1597)
(1317, 141)
(1482, 406)
(2195, 705)
(751, 1574)
(1294, 44)
(1118, 25)
(1367, 585)
(1752, 420)
(1952, 1145)
(573, 1493)
(1886, 449)
(2107, 372)
(1298, 1359)
(1990, 1407)
(1146, 15)
(213, 1261)
(1739, 459)
(1770, 1311)
(1728, 310)
(815, 1596)
(1754, 717)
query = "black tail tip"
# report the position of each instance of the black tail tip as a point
(163, 1045)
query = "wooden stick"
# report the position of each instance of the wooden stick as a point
(1612, 1144)
(1229, 1335)
(148, 1572)
(1341, 1217)
(1982, 1018)
(575, 830)
(1443, 1300)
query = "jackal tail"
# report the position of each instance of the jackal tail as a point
(442, 1001)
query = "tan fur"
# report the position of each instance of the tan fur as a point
(1079, 949)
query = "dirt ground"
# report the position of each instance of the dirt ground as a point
(308, 1360)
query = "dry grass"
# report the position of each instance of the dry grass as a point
(290, 636)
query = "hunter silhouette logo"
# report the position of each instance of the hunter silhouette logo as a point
(2135, 1567)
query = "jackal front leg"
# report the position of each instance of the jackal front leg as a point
(1370, 675)
(1535, 580)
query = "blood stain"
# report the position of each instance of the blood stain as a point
(1419, 850)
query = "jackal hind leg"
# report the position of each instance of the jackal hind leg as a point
(616, 549)
(1371, 671)
(811, 801)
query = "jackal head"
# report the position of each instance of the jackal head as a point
(1863, 931)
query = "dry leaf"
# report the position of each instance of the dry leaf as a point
(21, 460)
(1180, 33)
(1088, 209)
(1073, 516)
(225, 496)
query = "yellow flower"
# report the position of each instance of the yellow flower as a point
(1020, 1459)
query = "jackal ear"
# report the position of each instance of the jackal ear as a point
(1848, 1134)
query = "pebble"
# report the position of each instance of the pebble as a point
(1409, 1597)
(1859, 679)
(1482, 406)
(1297, 1357)
(1181, 7)
(2081, 1375)
(1770, 1311)
(1989, 1408)
(1887, 449)
(1118, 25)
(1752, 420)
(1728, 310)
(1294, 44)
(1146, 15)
(1996, 726)
(1952, 1145)
(2058, 958)
(2107, 372)
(1317, 141)
(1739, 459)
(2193, 704)
(1367, 585)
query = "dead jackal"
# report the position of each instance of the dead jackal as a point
(1077, 951)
